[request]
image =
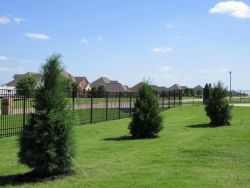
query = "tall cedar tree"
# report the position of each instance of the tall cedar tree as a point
(206, 94)
(46, 140)
(146, 120)
(217, 107)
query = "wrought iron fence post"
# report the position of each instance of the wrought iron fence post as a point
(174, 98)
(91, 108)
(193, 97)
(119, 105)
(130, 104)
(162, 105)
(180, 95)
(169, 98)
(24, 107)
(240, 96)
(107, 106)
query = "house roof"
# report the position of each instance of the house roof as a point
(100, 81)
(136, 87)
(17, 77)
(175, 87)
(79, 79)
(115, 87)
(110, 85)
(184, 87)
(69, 76)
(199, 87)
(159, 89)
(36, 75)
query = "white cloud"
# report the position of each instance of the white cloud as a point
(162, 50)
(99, 38)
(236, 9)
(12, 70)
(19, 20)
(85, 41)
(10, 19)
(4, 20)
(3, 58)
(170, 26)
(37, 36)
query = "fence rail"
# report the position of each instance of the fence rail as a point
(87, 107)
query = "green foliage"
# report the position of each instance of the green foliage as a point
(146, 120)
(217, 107)
(198, 93)
(188, 92)
(67, 84)
(26, 85)
(94, 92)
(101, 91)
(206, 93)
(46, 141)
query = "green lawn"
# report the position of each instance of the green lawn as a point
(240, 100)
(188, 153)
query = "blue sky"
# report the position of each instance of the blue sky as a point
(185, 42)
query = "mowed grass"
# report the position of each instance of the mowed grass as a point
(240, 100)
(187, 153)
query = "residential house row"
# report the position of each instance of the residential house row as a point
(84, 84)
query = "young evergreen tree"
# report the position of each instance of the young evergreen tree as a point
(206, 94)
(46, 140)
(146, 120)
(217, 107)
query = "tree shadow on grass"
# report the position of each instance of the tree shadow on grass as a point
(126, 138)
(30, 177)
(121, 138)
(205, 125)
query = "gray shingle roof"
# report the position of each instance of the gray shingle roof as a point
(155, 87)
(69, 76)
(175, 87)
(80, 79)
(114, 87)
(17, 77)
(110, 85)
(199, 87)
(100, 81)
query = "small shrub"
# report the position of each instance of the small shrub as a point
(45, 142)
(146, 120)
(217, 107)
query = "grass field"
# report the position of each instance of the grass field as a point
(188, 153)
(240, 100)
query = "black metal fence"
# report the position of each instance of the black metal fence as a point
(192, 97)
(195, 97)
(241, 96)
(87, 107)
